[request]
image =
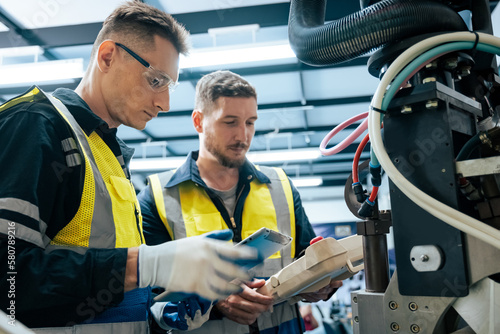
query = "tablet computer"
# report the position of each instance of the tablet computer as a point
(266, 241)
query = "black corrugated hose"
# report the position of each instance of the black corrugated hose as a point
(316, 43)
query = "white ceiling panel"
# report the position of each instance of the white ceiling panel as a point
(238, 37)
(3, 27)
(277, 120)
(276, 88)
(80, 51)
(183, 147)
(171, 127)
(183, 97)
(338, 83)
(278, 142)
(144, 150)
(33, 14)
(128, 133)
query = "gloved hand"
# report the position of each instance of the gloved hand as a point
(196, 265)
(187, 314)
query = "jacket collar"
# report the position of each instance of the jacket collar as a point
(89, 121)
(85, 117)
(189, 171)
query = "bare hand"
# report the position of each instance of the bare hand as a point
(322, 294)
(245, 307)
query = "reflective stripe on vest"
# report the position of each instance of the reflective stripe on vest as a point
(281, 313)
(267, 205)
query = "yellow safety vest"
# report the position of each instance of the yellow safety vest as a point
(186, 210)
(109, 214)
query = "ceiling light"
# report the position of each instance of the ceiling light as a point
(243, 54)
(41, 71)
(284, 155)
(156, 164)
(21, 51)
(307, 181)
(251, 28)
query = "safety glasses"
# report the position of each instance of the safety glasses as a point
(158, 81)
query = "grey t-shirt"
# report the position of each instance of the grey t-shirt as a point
(229, 198)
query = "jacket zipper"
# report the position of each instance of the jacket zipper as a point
(231, 217)
(235, 205)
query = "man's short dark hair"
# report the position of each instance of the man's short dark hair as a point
(135, 24)
(221, 84)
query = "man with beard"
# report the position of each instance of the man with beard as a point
(218, 188)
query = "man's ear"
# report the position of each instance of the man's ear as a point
(197, 117)
(106, 54)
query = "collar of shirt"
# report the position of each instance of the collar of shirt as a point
(90, 122)
(189, 171)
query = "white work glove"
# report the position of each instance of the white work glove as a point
(198, 265)
(186, 315)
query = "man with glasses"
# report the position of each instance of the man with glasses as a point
(72, 248)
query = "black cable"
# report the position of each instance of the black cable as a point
(469, 147)
(475, 44)
(316, 43)
(378, 110)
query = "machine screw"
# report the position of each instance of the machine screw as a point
(414, 328)
(451, 63)
(431, 104)
(355, 299)
(413, 306)
(395, 326)
(393, 305)
(432, 65)
(356, 319)
(406, 110)
(429, 79)
(424, 258)
(464, 71)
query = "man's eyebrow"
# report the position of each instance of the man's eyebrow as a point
(236, 117)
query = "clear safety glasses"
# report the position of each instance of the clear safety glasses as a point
(158, 81)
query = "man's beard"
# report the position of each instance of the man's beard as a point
(219, 155)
